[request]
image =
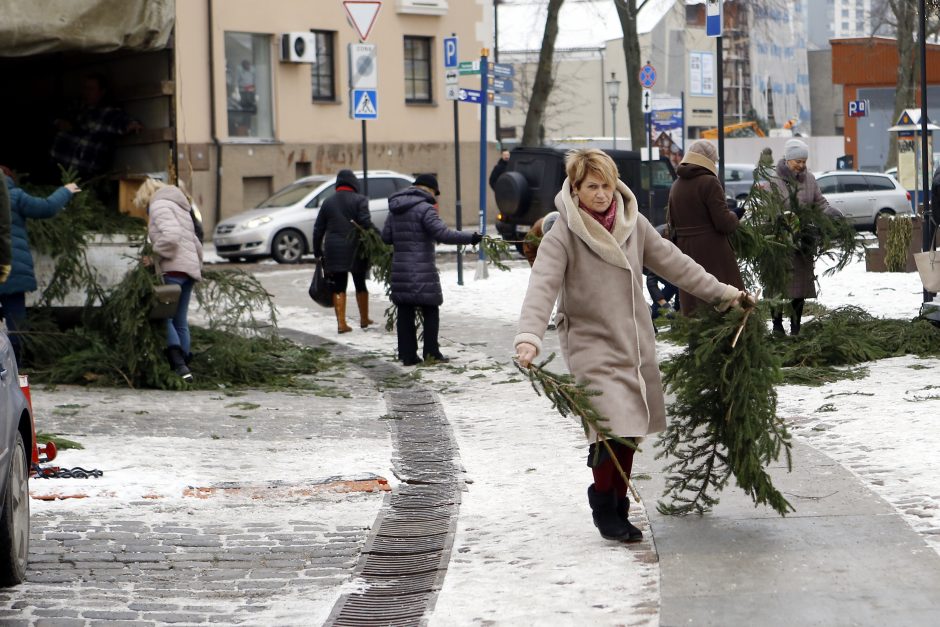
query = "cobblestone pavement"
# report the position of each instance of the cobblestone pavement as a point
(140, 547)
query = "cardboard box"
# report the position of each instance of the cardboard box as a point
(127, 189)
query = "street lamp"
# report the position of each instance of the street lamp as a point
(613, 95)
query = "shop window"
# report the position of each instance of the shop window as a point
(417, 69)
(248, 85)
(323, 72)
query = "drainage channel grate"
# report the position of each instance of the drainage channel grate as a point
(402, 567)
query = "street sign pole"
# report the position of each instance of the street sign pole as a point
(714, 25)
(481, 272)
(451, 63)
(365, 162)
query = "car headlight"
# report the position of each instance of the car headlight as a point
(255, 222)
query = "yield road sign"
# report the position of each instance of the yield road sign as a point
(469, 67)
(713, 17)
(502, 84)
(502, 100)
(503, 70)
(450, 52)
(362, 14)
(365, 104)
(647, 76)
(451, 77)
(472, 96)
(363, 71)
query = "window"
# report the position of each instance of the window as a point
(381, 188)
(323, 72)
(417, 69)
(880, 183)
(248, 85)
(853, 183)
(828, 185)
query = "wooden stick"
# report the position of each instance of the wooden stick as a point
(623, 474)
(747, 314)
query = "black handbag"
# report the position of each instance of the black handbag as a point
(166, 297)
(321, 287)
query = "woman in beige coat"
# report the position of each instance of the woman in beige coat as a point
(592, 259)
(178, 252)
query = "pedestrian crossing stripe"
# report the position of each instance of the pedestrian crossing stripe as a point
(365, 104)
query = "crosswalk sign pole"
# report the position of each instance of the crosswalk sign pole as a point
(365, 162)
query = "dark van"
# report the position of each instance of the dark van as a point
(526, 190)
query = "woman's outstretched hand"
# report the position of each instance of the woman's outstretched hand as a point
(525, 353)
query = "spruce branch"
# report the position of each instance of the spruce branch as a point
(571, 398)
(496, 251)
(724, 416)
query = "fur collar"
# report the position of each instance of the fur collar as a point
(608, 246)
(696, 159)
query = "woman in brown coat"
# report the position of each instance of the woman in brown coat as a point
(592, 260)
(700, 218)
(791, 173)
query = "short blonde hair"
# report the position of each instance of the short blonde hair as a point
(146, 191)
(579, 163)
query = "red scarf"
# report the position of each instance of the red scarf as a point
(605, 219)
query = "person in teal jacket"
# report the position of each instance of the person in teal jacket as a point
(22, 277)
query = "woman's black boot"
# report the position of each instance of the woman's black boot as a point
(604, 511)
(623, 510)
(174, 355)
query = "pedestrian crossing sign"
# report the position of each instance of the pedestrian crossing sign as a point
(365, 104)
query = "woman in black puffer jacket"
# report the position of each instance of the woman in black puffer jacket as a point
(336, 239)
(413, 227)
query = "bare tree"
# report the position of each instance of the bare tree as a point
(542, 86)
(627, 11)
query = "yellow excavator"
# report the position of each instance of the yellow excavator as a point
(741, 129)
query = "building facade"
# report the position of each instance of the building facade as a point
(250, 122)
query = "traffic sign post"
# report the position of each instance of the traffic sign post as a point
(362, 14)
(365, 104)
(714, 10)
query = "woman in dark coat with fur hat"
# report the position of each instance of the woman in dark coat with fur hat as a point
(336, 240)
(700, 218)
(412, 228)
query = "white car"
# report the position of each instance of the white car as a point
(282, 225)
(863, 196)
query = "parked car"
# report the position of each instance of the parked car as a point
(282, 225)
(863, 196)
(526, 190)
(892, 172)
(16, 447)
(739, 178)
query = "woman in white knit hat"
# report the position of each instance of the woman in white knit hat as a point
(791, 174)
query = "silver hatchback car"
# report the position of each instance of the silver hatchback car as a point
(863, 196)
(282, 225)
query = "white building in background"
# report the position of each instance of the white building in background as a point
(838, 19)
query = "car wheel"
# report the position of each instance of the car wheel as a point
(14, 523)
(288, 246)
(882, 213)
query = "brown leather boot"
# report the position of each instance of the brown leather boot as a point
(339, 306)
(362, 299)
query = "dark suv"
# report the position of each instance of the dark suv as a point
(526, 190)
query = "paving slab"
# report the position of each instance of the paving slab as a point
(845, 557)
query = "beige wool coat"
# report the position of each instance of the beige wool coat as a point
(603, 321)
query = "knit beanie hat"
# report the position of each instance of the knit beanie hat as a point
(795, 149)
(702, 153)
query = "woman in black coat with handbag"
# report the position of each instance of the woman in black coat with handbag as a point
(336, 241)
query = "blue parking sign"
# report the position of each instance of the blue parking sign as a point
(450, 52)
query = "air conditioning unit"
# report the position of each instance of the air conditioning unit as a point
(422, 7)
(299, 48)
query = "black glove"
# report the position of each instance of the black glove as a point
(475, 239)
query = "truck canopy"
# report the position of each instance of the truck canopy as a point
(46, 26)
